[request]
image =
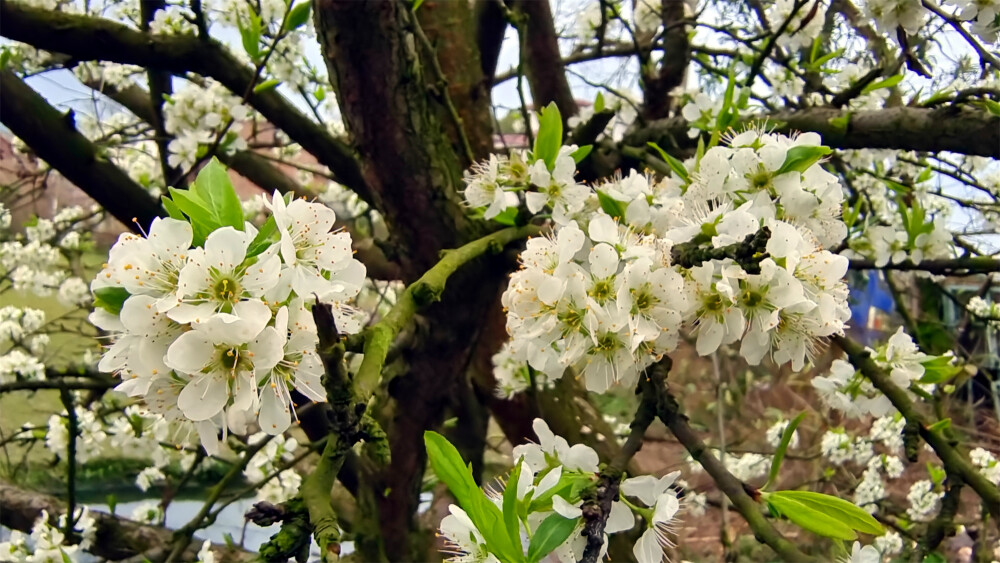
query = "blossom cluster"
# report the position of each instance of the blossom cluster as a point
(986, 311)
(45, 543)
(885, 244)
(220, 333)
(850, 392)
(197, 116)
(735, 250)
(550, 477)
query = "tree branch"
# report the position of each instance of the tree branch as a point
(955, 462)
(86, 38)
(956, 266)
(54, 138)
(669, 412)
(960, 130)
(117, 537)
(546, 75)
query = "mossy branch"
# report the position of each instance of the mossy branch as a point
(349, 397)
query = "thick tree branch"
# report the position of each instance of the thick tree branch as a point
(953, 129)
(546, 75)
(53, 137)
(85, 38)
(955, 462)
(117, 538)
(944, 267)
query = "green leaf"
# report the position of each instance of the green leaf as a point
(266, 86)
(266, 236)
(298, 16)
(939, 370)
(925, 175)
(171, 208)
(569, 486)
(111, 299)
(940, 425)
(250, 35)
(581, 153)
(801, 157)
(202, 223)
(599, 102)
(416, 5)
(507, 217)
(550, 534)
(549, 137)
(884, 83)
(510, 507)
(320, 94)
(214, 187)
(676, 165)
(450, 468)
(824, 515)
(611, 206)
(841, 123)
(779, 454)
(990, 105)
(934, 557)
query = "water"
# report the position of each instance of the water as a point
(230, 521)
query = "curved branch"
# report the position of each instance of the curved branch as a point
(87, 38)
(738, 492)
(117, 537)
(55, 140)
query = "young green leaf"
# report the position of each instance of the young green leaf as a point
(581, 153)
(171, 208)
(298, 16)
(510, 508)
(549, 137)
(202, 223)
(599, 102)
(550, 534)
(885, 83)
(250, 35)
(676, 165)
(824, 514)
(779, 454)
(450, 468)
(507, 217)
(266, 86)
(939, 370)
(801, 157)
(214, 188)
(111, 299)
(266, 236)
(611, 206)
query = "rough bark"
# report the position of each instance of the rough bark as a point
(53, 137)
(381, 76)
(117, 538)
(954, 129)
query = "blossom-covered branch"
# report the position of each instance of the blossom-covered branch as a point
(954, 460)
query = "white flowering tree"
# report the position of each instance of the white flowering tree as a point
(412, 274)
